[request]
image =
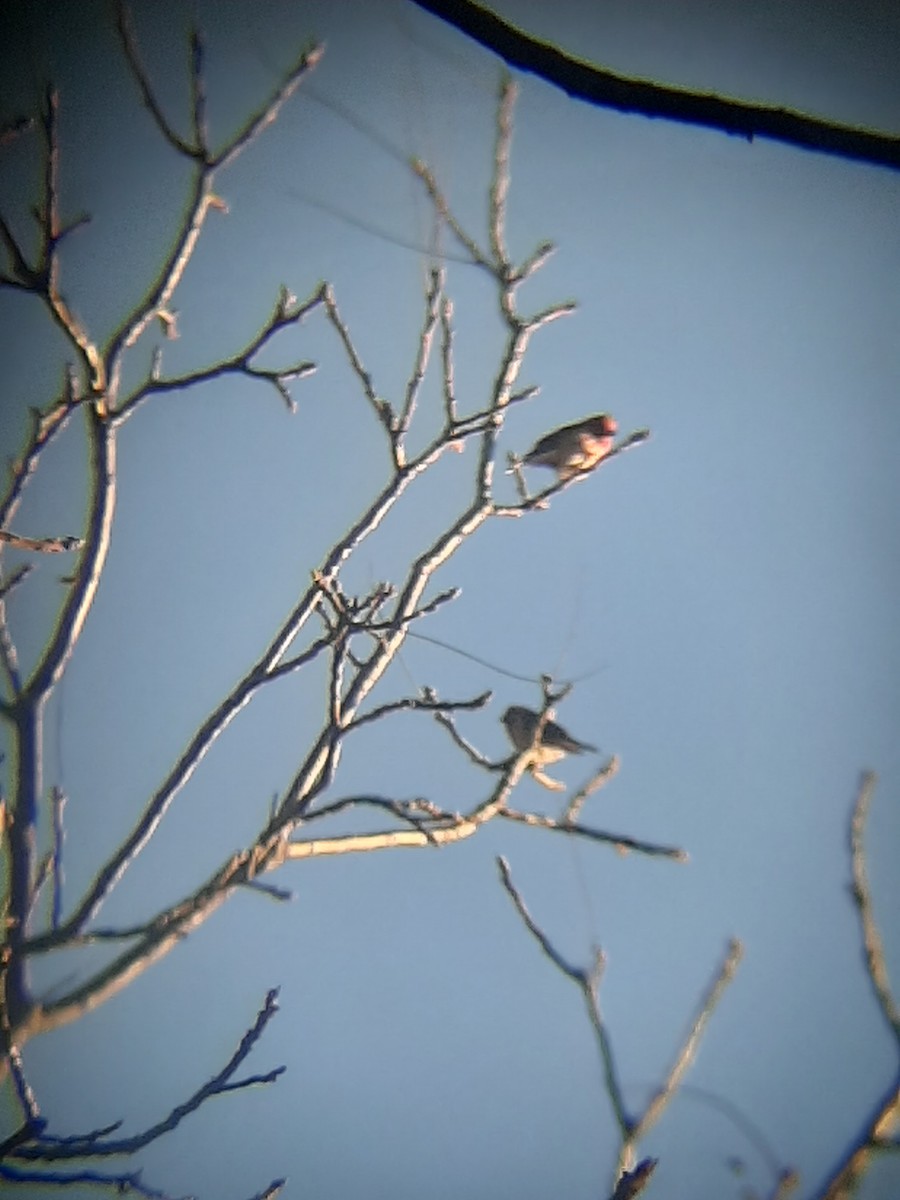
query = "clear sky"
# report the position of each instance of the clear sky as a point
(729, 589)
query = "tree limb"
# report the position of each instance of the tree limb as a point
(584, 81)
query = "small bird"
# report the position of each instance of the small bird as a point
(521, 726)
(574, 449)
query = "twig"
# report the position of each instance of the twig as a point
(287, 312)
(96, 1146)
(599, 779)
(466, 746)
(685, 1055)
(433, 306)
(862, 896)
(443, 209)
(32, 1128)
(127, 1183)
(588, 983)
(419, 704)
(12, 581)
(447, 361)
(622, 842)
(500, 186)
(58, 804)
(880, 1124)
(132, 55)
(380, 406)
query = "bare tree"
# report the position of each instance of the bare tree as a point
(355, 636)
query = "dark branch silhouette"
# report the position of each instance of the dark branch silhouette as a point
(584, 81)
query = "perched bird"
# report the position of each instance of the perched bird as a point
(521, 725)
(573, 449)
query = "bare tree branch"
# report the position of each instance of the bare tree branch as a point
(874, 950)
(631, 1128)
(686, 1053)
(880, 1124)
(622, 842)
(632, 1183)
(583, 81)
(97, 1146)
(52, 545)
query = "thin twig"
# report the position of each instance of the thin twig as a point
(588, 983)
(862, 895)
(685, 1055)
(447, 361)
(622, 842)
(222, 1082)
(599, 779)
(423, 354)
(380, 406)
(443, 208)
(419, 704)
(500, 179)
(58, 804)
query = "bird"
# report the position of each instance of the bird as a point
(521, 726)
(574, 449)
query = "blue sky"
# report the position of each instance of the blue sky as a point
(729, 588)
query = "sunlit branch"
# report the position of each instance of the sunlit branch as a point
(683, 1059)
(50, 545)
(265, 116)
(862, 895)
(443, 833)
(49, 267)
(380, 406)
(466, 746)
(620, 841)
(599, 779)
(406, 811)
(24, 1093)
(158, 294)
(500, 184)
(426, 610)
(44, 428)
(879, 1127)
(447, 331)
(101, 507)
(433, 296)
(264, 670)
